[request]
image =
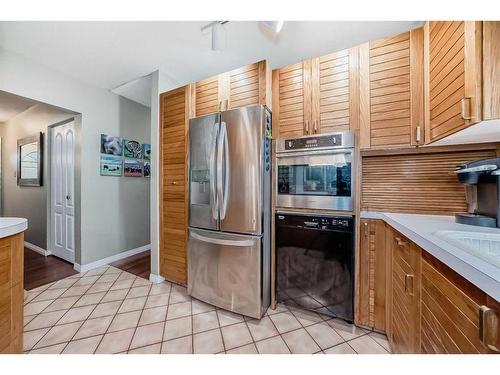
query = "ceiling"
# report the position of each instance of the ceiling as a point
(111, 54)
(12, 105)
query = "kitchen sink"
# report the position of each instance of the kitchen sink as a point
(482, 245)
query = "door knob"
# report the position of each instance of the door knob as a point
(174, 182)
(68, 197)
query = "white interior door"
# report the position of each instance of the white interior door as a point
(62, 191)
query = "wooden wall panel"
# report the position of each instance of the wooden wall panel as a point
(390, 100)
(416, 183)
(175, 108)
(207, 96)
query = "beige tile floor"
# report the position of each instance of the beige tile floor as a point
(107, 310)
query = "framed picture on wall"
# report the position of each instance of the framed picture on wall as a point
(111, 145)
(30, 160)
(147, 169)
(111, 165)
(132, 168)
(146, 151)
(132, 149)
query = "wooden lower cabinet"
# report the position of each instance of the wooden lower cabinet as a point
(405, 295)
(11, 294)
(372, 276)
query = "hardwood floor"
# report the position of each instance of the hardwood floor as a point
(139, 264)
(40, 270)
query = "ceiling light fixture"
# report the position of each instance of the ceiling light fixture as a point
(275, 26)
(218, 34)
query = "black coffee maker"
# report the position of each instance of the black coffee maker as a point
(482, 189)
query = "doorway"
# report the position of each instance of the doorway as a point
(62, 190)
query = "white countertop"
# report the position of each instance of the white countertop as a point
(421, 230)
(12, 225)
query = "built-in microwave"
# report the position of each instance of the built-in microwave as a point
(316, 172)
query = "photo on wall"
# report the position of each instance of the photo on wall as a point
(132, 149)
(132, 168)
(146, 151)
(111, 165)
(147, 169)
(111, 145)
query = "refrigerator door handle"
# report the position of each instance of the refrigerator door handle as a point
(220, 154)
(212, 161)
(218, 241)
(226, 171)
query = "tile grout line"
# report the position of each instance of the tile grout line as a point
(166, 315)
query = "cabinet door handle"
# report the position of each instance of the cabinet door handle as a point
(220, 105)
(307, 126)
(409, 283)
(466, 109)
(366, 229)
(315, 122)
(226, 105)
(173, 183)
(489, 328)
(418, 135)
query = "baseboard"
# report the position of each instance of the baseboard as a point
(36, 249)
(111, 259)
(156, 279)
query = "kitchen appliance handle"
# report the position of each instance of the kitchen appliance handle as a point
(226, 170)
(218, 241)
(220, 154)
(289, 154)
(212, 167)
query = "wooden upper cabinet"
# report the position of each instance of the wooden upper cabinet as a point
(453, 58)
(289, 119)
(491, 70)
(250, 84)
(318, 95)
(391, 91)
(334, 93)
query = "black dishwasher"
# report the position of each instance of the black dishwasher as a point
(315, 263)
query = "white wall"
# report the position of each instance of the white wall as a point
(29, 202)
(107, 214)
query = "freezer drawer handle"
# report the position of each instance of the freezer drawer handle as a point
(217, 241)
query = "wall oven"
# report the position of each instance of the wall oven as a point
(316, 172)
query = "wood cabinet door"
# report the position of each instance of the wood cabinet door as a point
(391, 91)
(248, 85)
(175, 108)
(207, 99)
(292, 100)
(450, 311)
(405, 291)
(371, 292)
(452, 76)
(334, 92)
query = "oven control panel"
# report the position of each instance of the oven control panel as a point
(316, 222)
(313, 142)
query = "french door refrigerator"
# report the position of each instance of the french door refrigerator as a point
(229, 247)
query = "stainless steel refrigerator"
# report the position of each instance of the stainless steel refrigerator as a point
(229, 242)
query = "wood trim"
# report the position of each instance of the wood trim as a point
(430, 149)
(354, 90)
(473, 63)
(491, 70)
(416, 84)
(364, 97)
(307, 87)
(427, 97)
(224, 89)
(276, 103)
(265, 84)
(315, 93)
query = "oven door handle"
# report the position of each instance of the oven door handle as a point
(283, 155)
